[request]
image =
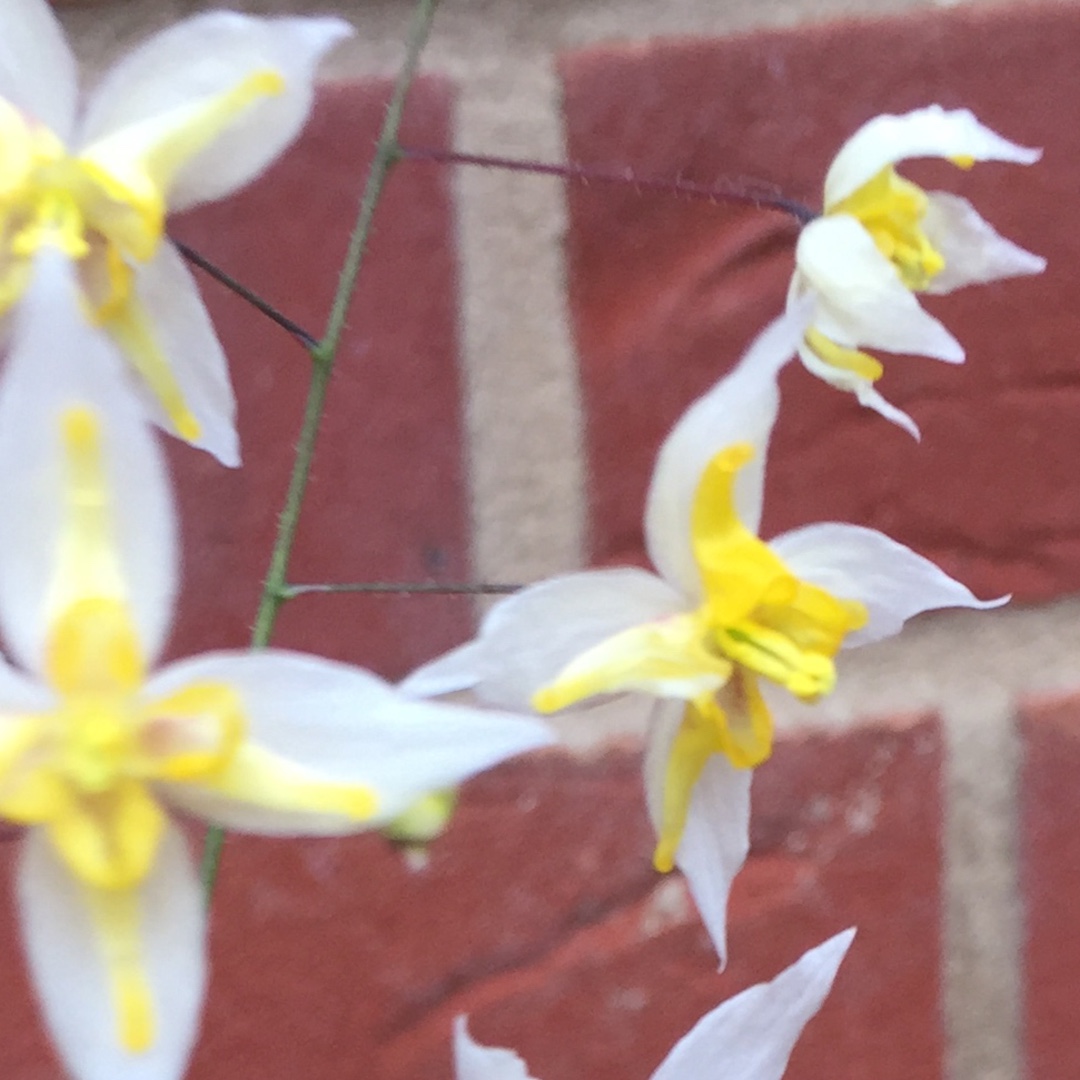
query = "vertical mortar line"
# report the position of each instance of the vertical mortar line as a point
(521, 387)
(982, 977)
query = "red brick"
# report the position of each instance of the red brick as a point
(1050, 871)
(665, 293)
(386, 499)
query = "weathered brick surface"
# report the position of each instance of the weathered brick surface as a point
(386, 499)
(1050, 871)
(665, 293)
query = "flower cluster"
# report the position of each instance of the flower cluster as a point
(105, 335)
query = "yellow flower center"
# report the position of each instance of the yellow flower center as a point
(891, 209)
(105, 209)
(756, 619)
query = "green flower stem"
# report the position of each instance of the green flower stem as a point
(323, 355)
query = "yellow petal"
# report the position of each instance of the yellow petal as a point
(669, 658)
(743, 721)
(695, 741)
(191, 733)
(854, 360)
(109, 840)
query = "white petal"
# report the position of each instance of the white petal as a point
(741, 407)
(861, 387)
(862, 564)
(475, 1062)
(58, 360)
(861, 300)
(716, 839)
(21, 695)
(188, 340)
(929, 132)
(454, 671)
(71, 979)
(347, 726)
(973, 251)
(37, 69)
(201, 58)
(528, 638)
(751, 1036)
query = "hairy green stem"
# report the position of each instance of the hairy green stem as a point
(323, 355)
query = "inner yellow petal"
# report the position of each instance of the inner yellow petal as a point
(743, 721)
(668, 658)
(191, 733)
(891, 209)
(844, 359)
(756, 612)
(260, 778)
(695, 741)
(109, 840)
(131, 326)
(93, 648)
(117, 920)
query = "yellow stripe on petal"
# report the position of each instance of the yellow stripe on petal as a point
(260, 778)
(668, 658)
(133, 169)
(134, 332)
(853, 360)
(117, 919)
(87, 561)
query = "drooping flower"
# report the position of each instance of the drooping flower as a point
(190, 116)
(94, 744)
(748, 1037)
(725, 611)
(882, 239)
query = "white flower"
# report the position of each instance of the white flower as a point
(748, 1037)
(881, 239)
(94, 744)
(724, 610)
(191, 115)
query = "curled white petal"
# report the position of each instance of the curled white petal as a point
(528, 638)
(201, 58)
(475, 1062)
(186, 336)
(345, 726)
(716, 838)
(71, 979)
(974, 252)
(929, 132)
(856, 563)
(741, 407)
(751, 1035)
(58, 361)
(860, 299)
(37, 69)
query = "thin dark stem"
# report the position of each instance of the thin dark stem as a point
(323, 354)
(728, 191)
(400, 588)
(307, 340)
